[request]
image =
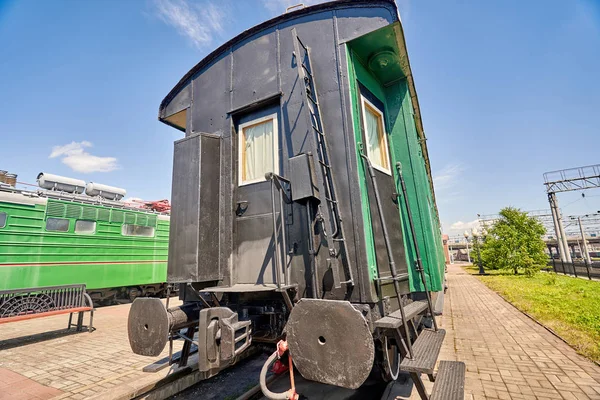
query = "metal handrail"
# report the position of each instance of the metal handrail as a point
(415, 243)
(388, 247)
(276, 183)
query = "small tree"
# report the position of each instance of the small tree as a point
(515, 242)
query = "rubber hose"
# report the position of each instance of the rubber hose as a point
(263, 381)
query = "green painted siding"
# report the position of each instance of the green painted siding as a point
(369, 241)
(30, 256)
(405, 148)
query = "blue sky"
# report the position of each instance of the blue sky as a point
(508, 90)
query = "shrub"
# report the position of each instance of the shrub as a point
(515, 243)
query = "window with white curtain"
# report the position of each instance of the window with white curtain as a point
(258, 149)
(376, 138)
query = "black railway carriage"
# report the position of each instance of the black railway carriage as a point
(303, 206)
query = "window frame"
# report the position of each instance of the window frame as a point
(85, 233)
(143, 226)
(241, 148)
(57, 230)
(366, 104)
(5, 219)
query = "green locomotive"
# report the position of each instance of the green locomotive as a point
(62, 236)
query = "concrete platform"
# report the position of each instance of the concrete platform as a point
(40, 359)
(507, 354)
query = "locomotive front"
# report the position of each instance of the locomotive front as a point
(288, 218)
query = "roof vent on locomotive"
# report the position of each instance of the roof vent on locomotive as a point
(303, 205)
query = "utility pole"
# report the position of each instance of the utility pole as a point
(561, 238)
(584, 249)
(568, 180)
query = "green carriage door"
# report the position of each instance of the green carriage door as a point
(375, 145)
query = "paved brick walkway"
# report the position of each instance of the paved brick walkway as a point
(39, 359)
(509, 356)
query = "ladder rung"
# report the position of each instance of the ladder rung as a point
(301, 44)
(310, 98)
(306, 69)
(324, 164)
(339, 240)
(331, 200)
(399, 278)
(317, 129)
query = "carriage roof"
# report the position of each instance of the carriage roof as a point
(173, 106)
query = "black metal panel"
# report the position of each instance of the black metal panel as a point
(211, 91)
(387, 193)
(355, 22)
(255, 249)
(354, 29)
(254, 72)
(193, 253)
(179, 103)
(302, 178)
(208, 225)
(366, 288)
(183, 238)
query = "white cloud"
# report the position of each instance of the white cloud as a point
(448, 176)
(198, 21)
(464, 226)
(447, 183)
(75, 156)
(277, 7)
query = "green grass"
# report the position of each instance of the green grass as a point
(568, 306)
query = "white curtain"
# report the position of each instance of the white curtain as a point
(375, 153)
(259, 150)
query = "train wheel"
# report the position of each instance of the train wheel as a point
(391, 360)
(133, 293)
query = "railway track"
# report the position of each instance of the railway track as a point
(240, 382)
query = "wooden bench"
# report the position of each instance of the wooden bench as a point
(24, 304)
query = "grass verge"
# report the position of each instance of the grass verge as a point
(569, 306)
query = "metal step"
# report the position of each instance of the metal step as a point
(400, 278)
(425, 352)
(450, 381)
(394, 320)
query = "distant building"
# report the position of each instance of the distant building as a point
(445, 240)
